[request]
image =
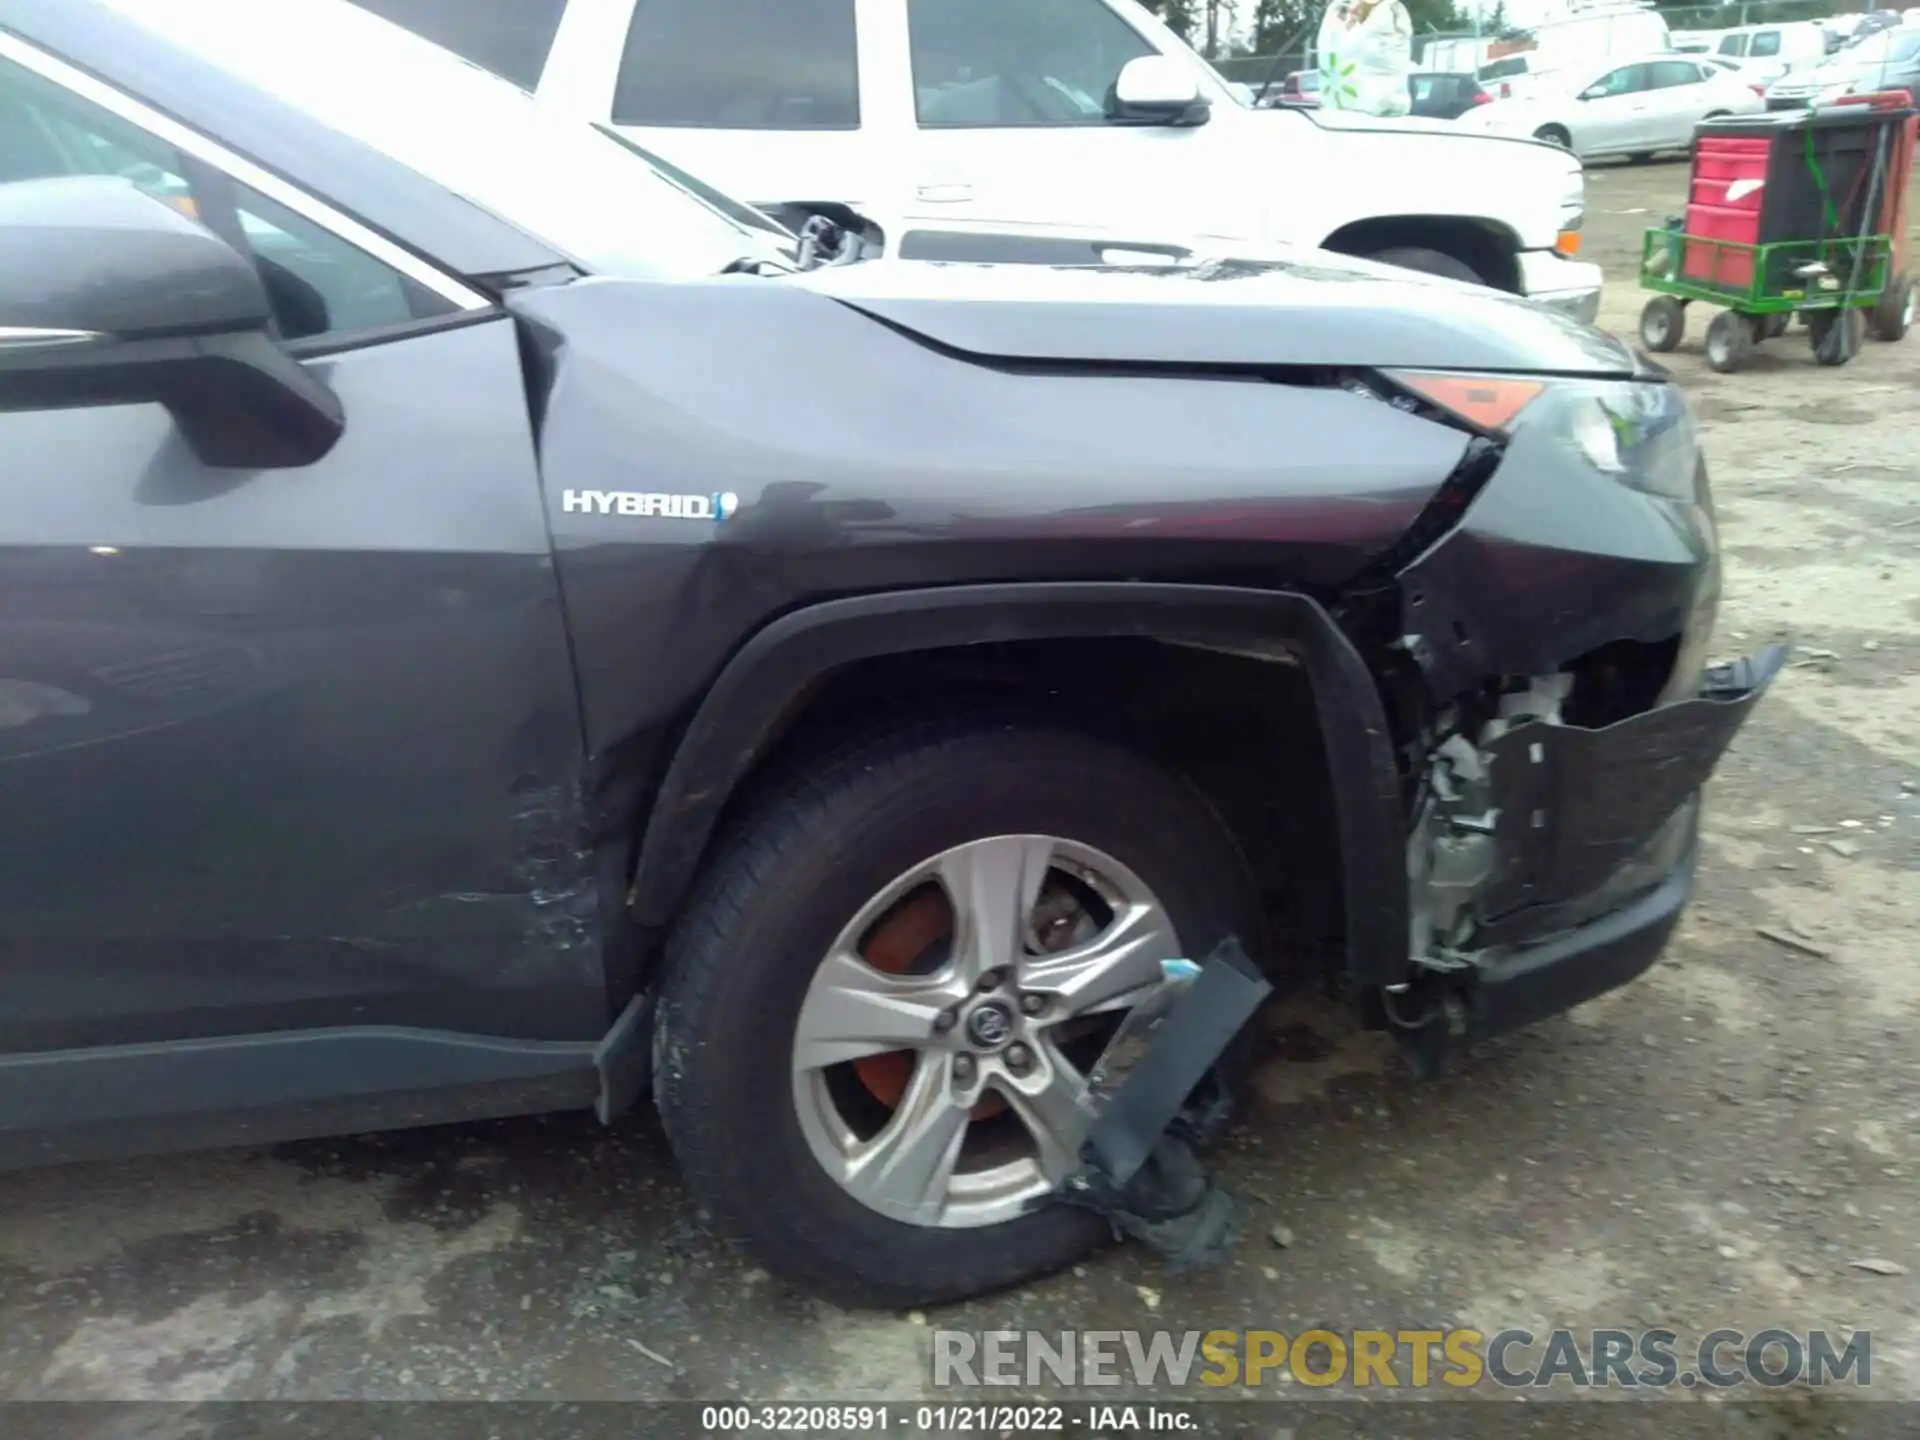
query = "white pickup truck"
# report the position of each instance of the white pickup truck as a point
(951, 115)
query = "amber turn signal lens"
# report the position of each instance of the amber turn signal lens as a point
(1568, 242)
(1492, 402)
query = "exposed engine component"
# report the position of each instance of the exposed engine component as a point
(1453, 852)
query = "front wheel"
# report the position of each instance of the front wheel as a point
(880, 1006)
(1662, 324)
(1427, 262)
(1554, 135)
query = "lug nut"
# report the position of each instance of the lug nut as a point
(1018, 1056)
(946, 1020)
(963, 1068)
(1032, 1004)
(989, 981)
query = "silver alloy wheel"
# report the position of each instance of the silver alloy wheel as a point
(1045, 938)
(1908, 305)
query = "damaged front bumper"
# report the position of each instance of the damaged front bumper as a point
(1549, 862)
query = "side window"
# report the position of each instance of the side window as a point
(1734, 45)
(989, 63)
(318, 284)
(1668, 74)
(512, 40)
(1424, 86)
(740, 65)
(1765, 42)
(1627, 80)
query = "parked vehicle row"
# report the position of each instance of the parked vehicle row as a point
(1888, 59)
(1635, 106)
(1433, 94)
(494, 624)
(1087, 113)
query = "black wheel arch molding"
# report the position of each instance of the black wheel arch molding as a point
(743, 712)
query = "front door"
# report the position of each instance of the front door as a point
(294, 748)
(1616, 112)
(1010, 124)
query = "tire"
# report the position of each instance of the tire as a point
(1836, 335)
(1554, 135)
(1729, 342)
(1427, 262)
(818, 850)
(1663, 324)
(1893, 315)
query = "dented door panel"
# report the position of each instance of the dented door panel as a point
(295, 748)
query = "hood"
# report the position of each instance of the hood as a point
(1442, 131)
(1318, 310)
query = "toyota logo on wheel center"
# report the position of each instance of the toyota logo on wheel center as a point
(990, 1026)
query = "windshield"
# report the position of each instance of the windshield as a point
(595, 199)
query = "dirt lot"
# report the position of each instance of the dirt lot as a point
(1721, 1143)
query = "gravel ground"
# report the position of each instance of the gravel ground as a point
(1720, 1143)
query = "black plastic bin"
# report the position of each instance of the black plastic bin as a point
(1844, 140)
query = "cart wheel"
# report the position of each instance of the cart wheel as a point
(1662, 324)
(1837, 335)
(1894, 314)
(1774, 326)
(1729, 342)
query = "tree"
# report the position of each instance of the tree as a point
(1287, 25)
(1179, 15)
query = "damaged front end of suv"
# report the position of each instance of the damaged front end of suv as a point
(1542, 639)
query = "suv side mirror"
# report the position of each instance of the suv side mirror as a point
(109, 296)
(1157, 90)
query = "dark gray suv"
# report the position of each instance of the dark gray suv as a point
(484, 630)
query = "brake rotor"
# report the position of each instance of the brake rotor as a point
(892, 947)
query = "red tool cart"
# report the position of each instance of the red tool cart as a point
(1790, 214)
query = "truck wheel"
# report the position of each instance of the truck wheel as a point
(1554, 135)
(1427, 262)
(879, 1005)
(1893, 314)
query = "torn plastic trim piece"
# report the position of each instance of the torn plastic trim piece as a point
(1534, 815)
(1138, 1163)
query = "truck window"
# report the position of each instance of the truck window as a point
(510, 40)
(740, 65)
(1766, 42)
(1734, 45)
(985, 63)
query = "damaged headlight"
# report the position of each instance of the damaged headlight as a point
(1641, 433)
(1637, 433)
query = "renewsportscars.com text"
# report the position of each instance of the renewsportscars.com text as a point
(1410, 1359)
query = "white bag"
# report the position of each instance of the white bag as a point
(1366, 55)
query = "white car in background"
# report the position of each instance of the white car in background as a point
(1635, 106)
